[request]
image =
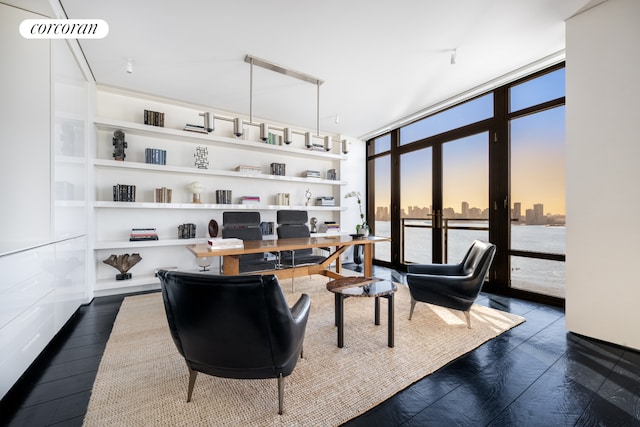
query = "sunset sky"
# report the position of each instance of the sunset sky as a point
(537, 157)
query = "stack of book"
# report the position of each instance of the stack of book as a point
(195, 128)
(311, 174)
(155, 156)
(153, 118)
(329, 227)
(142, 234)
(278, 168)
(229, 243)
(249, 170)
(124, 193)
(250, 200)
(325, 201)
(223, 197)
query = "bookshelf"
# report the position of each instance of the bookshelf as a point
(114, 220)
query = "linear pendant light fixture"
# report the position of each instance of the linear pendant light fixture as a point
(264, 128)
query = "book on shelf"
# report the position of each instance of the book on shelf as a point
(153, 118)
(329, 227)
(278, 169)
(332, 175)
(283, 199)
(325, 201)
(250, 200)
(223, 197)
(187, 231)
(311, 174)
(155, 156)
(142, 234)
(228, 243)
(162, 195)
(249, 170)
(195, 128)
(124, 193)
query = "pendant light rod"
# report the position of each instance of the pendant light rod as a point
(282, 70)
(318, 109)
(251, 91)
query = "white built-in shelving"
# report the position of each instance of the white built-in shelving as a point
(111, 217)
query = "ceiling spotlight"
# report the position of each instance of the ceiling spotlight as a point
(454, 53)
(129, 67)
(337, 121)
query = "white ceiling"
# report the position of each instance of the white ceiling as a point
(381, 60)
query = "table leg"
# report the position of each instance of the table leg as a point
(340, 316)
(391, 319)
(376, 319)
(368, 260)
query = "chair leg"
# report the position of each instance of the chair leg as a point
(293, 265)
(302, 352)
(467, 314)
(192, 381)
(280, 393)
(413, 305)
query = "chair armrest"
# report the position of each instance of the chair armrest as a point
(300, 309)
(436, 269)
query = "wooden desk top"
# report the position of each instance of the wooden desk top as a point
(258, 246)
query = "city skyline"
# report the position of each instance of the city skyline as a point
(534, 215)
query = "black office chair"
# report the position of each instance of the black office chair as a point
(291, 224)
(246, 226)
(234, 326)
(454, 286)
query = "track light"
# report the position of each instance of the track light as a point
(345, 146)
(454, 53)
(288, 136)
(129, 67)
(264, 131)
(328, 143)
(237, 127)
(308, 140)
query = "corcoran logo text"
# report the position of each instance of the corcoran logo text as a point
(64, 28)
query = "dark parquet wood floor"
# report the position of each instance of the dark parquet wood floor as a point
(536, 374)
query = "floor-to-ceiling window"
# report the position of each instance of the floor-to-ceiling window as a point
(491, 168)
(537, 140)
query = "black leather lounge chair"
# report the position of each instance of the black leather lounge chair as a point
(454, 286)
(234, 326)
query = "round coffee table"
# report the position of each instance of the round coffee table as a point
(362, 287)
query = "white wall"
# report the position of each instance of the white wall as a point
(603, 176)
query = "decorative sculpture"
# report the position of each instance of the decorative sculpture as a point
(307, 194)
(123, 264)
(119, 144)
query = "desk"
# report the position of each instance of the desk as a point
(341, 243)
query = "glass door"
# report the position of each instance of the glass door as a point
(416, 201)
(465, 195)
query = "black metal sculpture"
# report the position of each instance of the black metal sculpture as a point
(119, 144)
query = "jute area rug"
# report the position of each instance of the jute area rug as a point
(142, 380)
